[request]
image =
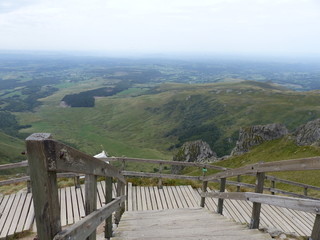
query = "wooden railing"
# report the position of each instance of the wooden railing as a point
(48, 157)
(259, 169)
(48, 160)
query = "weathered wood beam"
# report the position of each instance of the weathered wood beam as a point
(14, 165)
(91, 199)
(44, 185)
(301, 164)
(204, 189)
(315, 235)
(220, 200)
(256, 208)
(83, 228)
(272, 178)
(108, 198)
(306, 205)
(68, 159)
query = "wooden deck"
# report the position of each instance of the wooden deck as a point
(185, 223)
(17, 213)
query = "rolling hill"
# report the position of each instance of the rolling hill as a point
(154, 123)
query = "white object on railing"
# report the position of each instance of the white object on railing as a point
(103, 154)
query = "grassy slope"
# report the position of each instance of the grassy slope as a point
(276, 150)
(126, 126)
(10, 148)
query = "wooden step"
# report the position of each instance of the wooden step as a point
(187, 223)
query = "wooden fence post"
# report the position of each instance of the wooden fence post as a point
(77, 181)
(273, 185)
(255, 219)
(160, 178)
(118, 213)
(305, 191)
(108, 198)
(220, 200)
(91, 198)
(315, 235)
(44, 185)
(204, 189)
(238, 180)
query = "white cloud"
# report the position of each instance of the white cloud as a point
(162, 25)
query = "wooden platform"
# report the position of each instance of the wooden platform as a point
(17, 212)
(172, 197)
(187, 223)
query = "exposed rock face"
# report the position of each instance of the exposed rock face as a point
(308, 134)
(255, 135)
(197, 151)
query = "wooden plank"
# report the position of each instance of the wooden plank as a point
(301, 164)
(272, 178)
(17, 214)
(148, 199)
(24, 212)
(134, 198)
(184, 195)
(129, 196)
(143, 198)
(75, 207)
(297, 223)
(211, 204)
(63, 207)
(192, 195)
(6, 211)
(30, 218)
(180, 201)
(80, 202)
(14, 165)
(3, 205)
(139, 199)
(158, 199)
(286, 223)
(163, 198)
(168, 197)
(100, 195)
(69, 206)
(153, 199)
(83, 228)
(40, 151)
(11, 213)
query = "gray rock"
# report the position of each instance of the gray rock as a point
(308, 134)
(196, 151)
(255, 135)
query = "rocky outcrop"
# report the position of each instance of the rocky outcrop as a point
(308, 134)
(255, 135)
(196, 151)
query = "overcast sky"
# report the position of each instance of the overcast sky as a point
(162, 26)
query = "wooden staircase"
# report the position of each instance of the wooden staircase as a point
(184, 223)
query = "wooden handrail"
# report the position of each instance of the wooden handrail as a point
(48, 157)
(14, 165)
(301, 164)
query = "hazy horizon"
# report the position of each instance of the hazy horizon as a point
(167, 27)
